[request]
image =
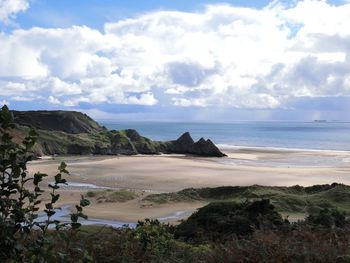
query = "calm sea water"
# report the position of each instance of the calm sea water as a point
(302, 135)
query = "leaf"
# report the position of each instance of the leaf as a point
(58, 177)
(74, 218)
(63, 181)
(79, 208)
(62, 168)
(54, 186)
(38, 190)
(48, 206)
(16, 171)
(38, 177)
(54, 198)
(84, 202)
(49, 212)
(83, 216)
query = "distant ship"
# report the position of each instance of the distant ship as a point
(320, 120)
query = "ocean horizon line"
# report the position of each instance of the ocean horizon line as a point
(226, 147)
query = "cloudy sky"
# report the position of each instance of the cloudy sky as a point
(178, 60)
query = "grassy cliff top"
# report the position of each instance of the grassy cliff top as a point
(66, 121)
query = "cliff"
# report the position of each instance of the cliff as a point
(66, 121)
(68, 132)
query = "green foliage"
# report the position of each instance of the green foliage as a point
(328, 218)
(154, 237)
(23, 237)
(150, 242)
(214, 220)
(154, 242)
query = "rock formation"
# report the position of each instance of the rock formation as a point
(185, 145)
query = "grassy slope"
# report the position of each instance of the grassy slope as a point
(112, 196)
(66, 121)
(60, 142)
(295, 199)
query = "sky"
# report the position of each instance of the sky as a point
(214, 61)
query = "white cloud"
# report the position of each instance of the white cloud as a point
(11, 88)
(21, 98)
(144, 99)
(9, 8)
(53, 100)
(4, 102)
(222, 56)
(188, 103)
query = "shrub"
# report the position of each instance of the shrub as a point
(220, 219)
(91, 194)
(328, 218)
(154, 237)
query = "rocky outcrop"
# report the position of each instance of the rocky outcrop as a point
(130, 142)
(186, 145)
(120, 144)
(181, 145)
(62, 132)
(206, 148)
(142, 144)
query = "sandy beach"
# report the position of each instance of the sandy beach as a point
(169, 173)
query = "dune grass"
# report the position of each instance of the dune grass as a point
(112, 196)
(294, 199)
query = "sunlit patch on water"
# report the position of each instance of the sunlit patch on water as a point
(63, 215)
(176, 215)
(291, 161)
(81, 185)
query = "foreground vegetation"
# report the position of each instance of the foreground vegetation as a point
(220, 232)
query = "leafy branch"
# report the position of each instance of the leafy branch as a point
(22, 236)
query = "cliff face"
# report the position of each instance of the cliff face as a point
(65, 132)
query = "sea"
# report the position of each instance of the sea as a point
(316, 135)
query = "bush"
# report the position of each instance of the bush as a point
(328, 218)
(154, 237)
(220, 219)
